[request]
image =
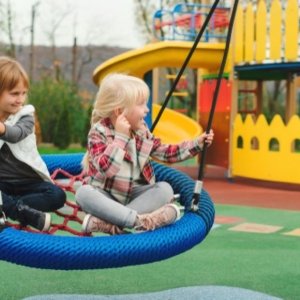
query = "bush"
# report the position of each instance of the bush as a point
(52, 99)
(86, 127)
(62, 133)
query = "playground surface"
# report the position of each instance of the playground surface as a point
(247, 192)
(252, 253)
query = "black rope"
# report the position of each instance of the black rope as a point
(184, 64)
(214, 102)
(2, 216)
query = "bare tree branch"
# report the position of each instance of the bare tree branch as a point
(32, 32)
(12, 47)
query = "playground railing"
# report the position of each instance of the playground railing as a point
(267, 32)
(184, 21)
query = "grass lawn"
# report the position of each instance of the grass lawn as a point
(267, 263)
(50, 149)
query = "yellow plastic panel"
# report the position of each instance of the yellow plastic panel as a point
(291, 29)
(249, 33)
(261, 31)
(239, 28)
(280, 166)
(275, 30)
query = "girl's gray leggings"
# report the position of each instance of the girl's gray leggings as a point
(145, 199)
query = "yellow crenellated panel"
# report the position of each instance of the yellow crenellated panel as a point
(280, 165)
(291, 30)
(239, 35)
(275, 30)
(292, 124)
(249, 33)
(263, 124)
(261, 31)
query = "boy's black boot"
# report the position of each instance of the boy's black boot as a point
(33, 217)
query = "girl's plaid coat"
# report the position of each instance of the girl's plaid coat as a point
(112, 161)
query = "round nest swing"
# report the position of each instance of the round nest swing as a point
(48, 251)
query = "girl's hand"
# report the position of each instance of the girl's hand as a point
(206, 138)
(122, 125)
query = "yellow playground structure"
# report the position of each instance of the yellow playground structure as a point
(140, 62)
(251, 140)
(266, 49)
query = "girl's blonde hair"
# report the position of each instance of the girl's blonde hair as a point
(116, 91)
(11, 74)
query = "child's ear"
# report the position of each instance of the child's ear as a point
(117, 111)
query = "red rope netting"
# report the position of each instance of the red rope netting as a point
(70, 213)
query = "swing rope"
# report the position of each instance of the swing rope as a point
(199, 183)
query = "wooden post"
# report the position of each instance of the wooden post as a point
(259, 97)
(155, 85)
(234, 94)
(291, 97)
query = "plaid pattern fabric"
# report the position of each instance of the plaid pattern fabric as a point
(111, 163)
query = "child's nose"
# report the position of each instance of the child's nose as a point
(19, 99)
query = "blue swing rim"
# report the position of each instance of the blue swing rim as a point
(55, 252)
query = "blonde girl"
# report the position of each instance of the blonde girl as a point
(121, 190)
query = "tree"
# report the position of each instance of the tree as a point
(12, 47)
(6, 27)
(87, 126)
(32, 31)
(59, 15)
(51, 98)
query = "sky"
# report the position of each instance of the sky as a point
(97, 22)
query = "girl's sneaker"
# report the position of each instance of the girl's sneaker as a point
(92, 224)
(167, 214)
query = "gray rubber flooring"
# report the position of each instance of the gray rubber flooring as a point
(188, 293)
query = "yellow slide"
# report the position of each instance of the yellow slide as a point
(173, 127)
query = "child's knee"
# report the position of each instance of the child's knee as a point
(166, 190)
(57, 195)
(82, 193)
